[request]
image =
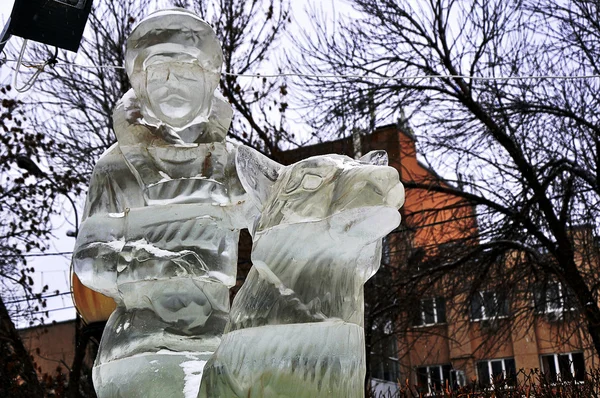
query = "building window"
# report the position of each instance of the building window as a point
(553, 298)
(488, 305)
(432, 311)
(432, 379)
(497, 372)
(566, 367)
(383, 358)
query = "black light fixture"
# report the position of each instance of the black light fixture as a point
(58, 23)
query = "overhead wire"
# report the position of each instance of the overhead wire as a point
(40, 68)
(37, 298)
(32, 79)
(44, 311)
(36, 254)
(57, 64)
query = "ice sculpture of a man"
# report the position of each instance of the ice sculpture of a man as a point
(296, 325)
(163, 214)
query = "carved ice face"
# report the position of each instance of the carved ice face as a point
(173, 60)
(175, 89)
(320, 187)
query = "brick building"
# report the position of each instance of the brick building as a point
(53, 350)
(52, 346)
(451, 341)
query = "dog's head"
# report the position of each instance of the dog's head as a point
(350, 193)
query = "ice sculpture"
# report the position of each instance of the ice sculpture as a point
(163, 214)
(296, 325)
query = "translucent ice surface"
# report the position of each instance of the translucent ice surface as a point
(163, 214)
(160, 233)
(296, 325)
(174, 63)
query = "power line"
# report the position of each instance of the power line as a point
(420, 77)
(41, 65)
(53, 309)
(43, 312)
(36, 254)
(36, 298)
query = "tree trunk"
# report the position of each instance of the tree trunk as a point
(31, 385)
(589, 306)
(81, 343)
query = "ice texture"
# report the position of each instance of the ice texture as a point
(163, 214)
(160, 233)
(296, 325)
(173, 61)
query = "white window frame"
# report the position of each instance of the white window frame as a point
(562, 300)
(557, 365)
(436, 320)
(458, 376)
(484, 316)
(489, 367)
(429, 382)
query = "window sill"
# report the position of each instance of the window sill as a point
(429, 325)
(492, 319)
(498, 388)
(562, 311)
(562, 383)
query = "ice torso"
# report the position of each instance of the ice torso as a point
(160, 236)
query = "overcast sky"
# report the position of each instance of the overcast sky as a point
(5, 8)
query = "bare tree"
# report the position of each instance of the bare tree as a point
(28, 197)
(73, 105)
(523, 153)
(250, 33)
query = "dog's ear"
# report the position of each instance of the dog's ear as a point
(376, 158)
(256, 172)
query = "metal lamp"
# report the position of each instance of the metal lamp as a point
(58, 23)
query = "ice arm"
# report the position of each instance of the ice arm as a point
(226, 216)
(96, 254)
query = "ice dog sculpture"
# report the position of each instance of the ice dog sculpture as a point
(296, 325)
(163, 214)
